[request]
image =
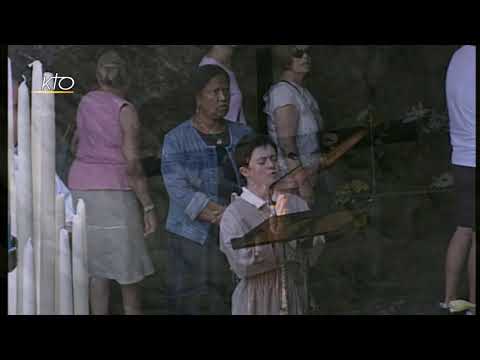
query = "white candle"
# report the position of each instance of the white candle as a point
(79, 261)
(24, 181)
(43, 172)
(37, 76)
(10, 152)
(29, 306)
(47, 209)
(59, 225)
(12, 292)
(65, 285)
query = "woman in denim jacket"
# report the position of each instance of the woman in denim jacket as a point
(200, 176)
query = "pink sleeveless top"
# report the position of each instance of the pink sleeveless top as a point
(99, 163)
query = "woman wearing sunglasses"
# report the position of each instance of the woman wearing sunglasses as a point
(294, 119)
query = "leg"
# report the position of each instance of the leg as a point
(218, 280)
(172, 274)
(456, 254)
(99, 296)
(472, 269)
(131, 299)
(184, 270)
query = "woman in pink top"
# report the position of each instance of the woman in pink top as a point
(107, 175)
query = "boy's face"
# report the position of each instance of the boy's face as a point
(262, 170)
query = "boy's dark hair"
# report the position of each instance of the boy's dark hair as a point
(247, 145)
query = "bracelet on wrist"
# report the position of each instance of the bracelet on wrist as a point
(148, 209)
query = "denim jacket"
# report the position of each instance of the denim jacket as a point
(190, 172)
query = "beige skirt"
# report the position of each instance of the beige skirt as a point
(116, 248)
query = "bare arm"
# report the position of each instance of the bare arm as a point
(74, 143)
(286, 122)
(136, 178)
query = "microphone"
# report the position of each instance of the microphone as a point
(291, 156)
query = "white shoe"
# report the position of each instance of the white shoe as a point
(458, 306)
(444, 306)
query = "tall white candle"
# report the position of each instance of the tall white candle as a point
(12, 292)
(43, 172)
(24, 181)
(59, 224)
(29, 298)
(48, 235)
(10, 159)
(65, 284)
(10, 152)
(37, 104)
(79, 261)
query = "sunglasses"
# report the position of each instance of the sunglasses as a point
(298, 53)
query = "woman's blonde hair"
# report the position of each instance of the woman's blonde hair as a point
(112, 70)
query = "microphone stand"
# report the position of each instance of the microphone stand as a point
(283, 261)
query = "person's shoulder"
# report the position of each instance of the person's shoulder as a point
(239, 128)
(464, 53)
(105, 97)
(282, 87)
(178, 130)
(470, 53)
(236, 125)
(281, 92)
(231, 213)
(230, 210)
(206, 60)
(88, 99)
(237, 207)
(467, 50)
(94, 92)
(89, 96)
(97, 93)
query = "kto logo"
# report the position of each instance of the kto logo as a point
(57, 85)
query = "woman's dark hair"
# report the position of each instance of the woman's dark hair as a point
(204, 74)
(247, 145)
